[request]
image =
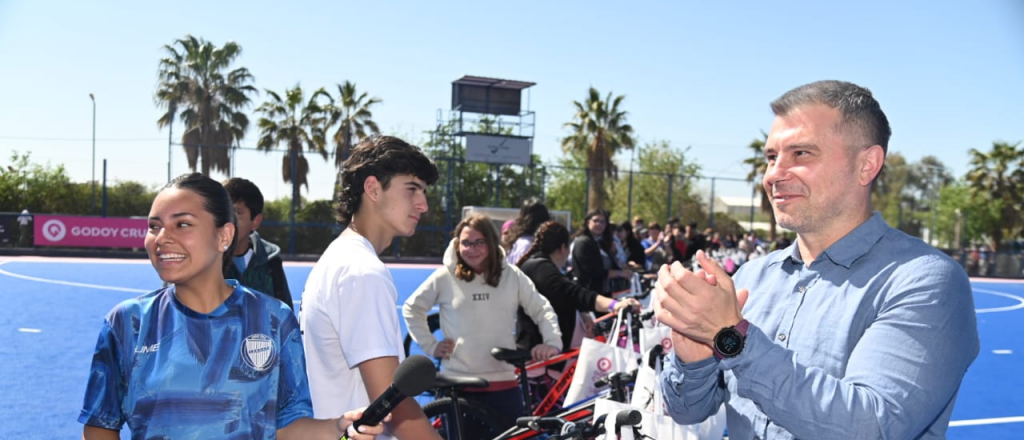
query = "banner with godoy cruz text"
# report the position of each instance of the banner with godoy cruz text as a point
(105, 232)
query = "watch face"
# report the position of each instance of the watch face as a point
(729, 342)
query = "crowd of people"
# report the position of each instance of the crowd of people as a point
(219, 353)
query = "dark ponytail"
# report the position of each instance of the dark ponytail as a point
(215, 201)
(550, 236)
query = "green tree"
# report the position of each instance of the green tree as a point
(758, 167)
(660, 164)
(999, 175)
(128, 199)
(297, 125)
(567, 187)
(40, 188)
(193, 78)
(350, 113)
(599, 129)
(963, 216)
(888, 194)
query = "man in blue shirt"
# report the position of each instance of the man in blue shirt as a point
(855, 331)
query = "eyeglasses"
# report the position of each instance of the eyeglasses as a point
(473, 244)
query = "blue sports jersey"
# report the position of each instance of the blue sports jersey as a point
(170, 372)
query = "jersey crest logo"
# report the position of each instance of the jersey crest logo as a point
(259, 352)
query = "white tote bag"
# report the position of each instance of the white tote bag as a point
(659, 334)
(598, 360)
(645, 388)
(662, 427)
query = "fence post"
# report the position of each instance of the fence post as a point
(711, 206)
(629, 204)
(668, 210)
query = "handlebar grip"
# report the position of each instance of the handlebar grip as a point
(628, 417)
(537, 423)
(524, 422)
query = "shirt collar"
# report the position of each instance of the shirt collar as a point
(846, 250)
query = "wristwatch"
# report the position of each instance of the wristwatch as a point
(729, 341)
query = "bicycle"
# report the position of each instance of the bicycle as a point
(441, 412)
(563, 429)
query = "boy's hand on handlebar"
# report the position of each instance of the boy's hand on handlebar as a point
(543, 352)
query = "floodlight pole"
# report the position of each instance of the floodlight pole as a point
(93, 99)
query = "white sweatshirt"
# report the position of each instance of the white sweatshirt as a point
(478, 317)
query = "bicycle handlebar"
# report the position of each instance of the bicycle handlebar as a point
(564, 429)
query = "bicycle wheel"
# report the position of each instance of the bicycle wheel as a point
(433, 322)
(476, 423)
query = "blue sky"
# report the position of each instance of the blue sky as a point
(949, 74)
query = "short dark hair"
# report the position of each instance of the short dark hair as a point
(242, 190)
(859, 109)
(382, 157)
(215, 201)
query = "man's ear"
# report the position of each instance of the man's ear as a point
(871, 161)
(372, 188)
(256, 222)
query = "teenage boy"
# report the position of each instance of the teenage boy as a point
(349, 312)
(257, 262)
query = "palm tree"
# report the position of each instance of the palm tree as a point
(599, 129)
(298, 125)
(350, 111)
(193, 78)
(758, 167)
(1000, 174)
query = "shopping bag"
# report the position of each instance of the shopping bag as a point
(659, 334)
(645, 387)
(597, 360)
(662, 427)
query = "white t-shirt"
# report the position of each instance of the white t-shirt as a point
(348, 315)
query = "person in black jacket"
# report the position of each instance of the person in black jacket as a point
(257, 262)
(542, 263)
(593, 251)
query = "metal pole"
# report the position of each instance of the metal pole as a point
(93, 206)
(170, 130)
(668, 206)
(753, 201)
(711, 206)
(295, 199)
(104, 187)
(629, 204)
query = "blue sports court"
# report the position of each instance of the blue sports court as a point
(54, 307)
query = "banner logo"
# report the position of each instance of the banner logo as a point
(54, 230)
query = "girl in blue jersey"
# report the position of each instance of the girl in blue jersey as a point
(204, 357)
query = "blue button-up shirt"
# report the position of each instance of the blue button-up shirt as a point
(871, 340)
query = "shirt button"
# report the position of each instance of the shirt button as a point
(782, 336)
(802, 289)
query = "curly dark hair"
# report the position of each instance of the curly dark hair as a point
(382, 157)
(531, 214)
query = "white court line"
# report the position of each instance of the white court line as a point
(1019, 305)
(993, 421)
(29, 330)
(1002, 351)
(70, 283)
